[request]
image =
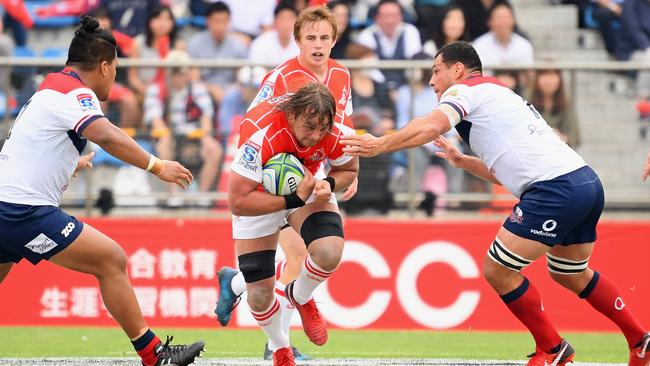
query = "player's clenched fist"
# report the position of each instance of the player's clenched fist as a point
(306, 186)
(174, 172)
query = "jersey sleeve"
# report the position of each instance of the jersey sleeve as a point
(78, 110)
(336, 156)
(248, 161)
(456, 103)
(272, 86)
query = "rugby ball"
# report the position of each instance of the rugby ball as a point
(282, 173)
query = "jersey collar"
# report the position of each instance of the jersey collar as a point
(68, 71)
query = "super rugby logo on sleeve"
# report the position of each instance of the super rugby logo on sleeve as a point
(265, 93)
(86, 101)
(248, 159)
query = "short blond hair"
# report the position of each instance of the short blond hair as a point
(313, 15)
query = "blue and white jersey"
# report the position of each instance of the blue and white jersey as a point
(507, 133)
(44, 144)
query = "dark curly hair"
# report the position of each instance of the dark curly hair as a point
(314, 101)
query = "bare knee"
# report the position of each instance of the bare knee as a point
(260, 295)
(4, 270)
(500, 278)
(575, 282)
(327, 252)
(113, 262)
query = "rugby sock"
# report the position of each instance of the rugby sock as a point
(271, 322)
(525, 303)
(602, 295)
(287, 308)
(310, 277)
(238, 284)
(145, 346)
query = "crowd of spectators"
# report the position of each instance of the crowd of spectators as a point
(192, 113)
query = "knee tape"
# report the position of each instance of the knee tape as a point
(503, 256)
(257, 266)
(565, 266)
(321, 224)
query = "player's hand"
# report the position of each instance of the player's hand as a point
(351, 190)
(449, 151)
(174, 172)
(646, 168)
(322, 191)
(365, 145)
(84, 163)
(306, 186)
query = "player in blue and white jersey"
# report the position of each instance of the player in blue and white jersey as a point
(42, 152)
(561, 198)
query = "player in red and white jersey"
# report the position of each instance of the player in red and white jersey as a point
(300, 124)
(315, 32)
(42, 153)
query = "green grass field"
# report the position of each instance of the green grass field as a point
(225, 343)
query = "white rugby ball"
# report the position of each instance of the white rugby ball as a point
(282, 173)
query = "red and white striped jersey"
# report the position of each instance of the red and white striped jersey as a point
(265, 132)
(291, 76)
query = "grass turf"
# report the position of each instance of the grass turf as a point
(222, 342)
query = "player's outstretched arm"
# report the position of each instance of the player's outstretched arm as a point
(457, 159)
(646, 168)
(417, 132)
(120, 145)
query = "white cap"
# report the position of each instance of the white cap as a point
(178, 56)
(251, 75)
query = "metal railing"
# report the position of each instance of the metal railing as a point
(412, 197)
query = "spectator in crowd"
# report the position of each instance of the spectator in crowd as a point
(186, 111)
(392, 39)
(119, 94)
(6, 50)
(18, 19)
(373, 106)
(549, 98)
(450, 27)
(130, 16)
(607, 14)
(341, 11)
(511, 79)
(428, 19)
(501, 45)
(237, 99)
(477, 15)
(216, 42)
(251, 18)
(634, 44)
(277, 45)
(155, 43)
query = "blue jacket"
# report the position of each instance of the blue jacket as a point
(635, 28)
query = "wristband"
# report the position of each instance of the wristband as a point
(293, 201)
(156, 166)
(332, 182)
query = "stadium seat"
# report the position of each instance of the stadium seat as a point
(49, 22)
(198, 21)
(22, 76)
(55, 52)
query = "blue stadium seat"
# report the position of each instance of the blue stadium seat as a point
(24, 51)
(55, 52)
(183, 22)
(49, 22)
(198, 21)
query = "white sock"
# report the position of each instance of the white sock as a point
(311, 275)
(238, 284)
(271, 322)
(287, 308)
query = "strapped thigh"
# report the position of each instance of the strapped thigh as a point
(565, 266)
(503, 256)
